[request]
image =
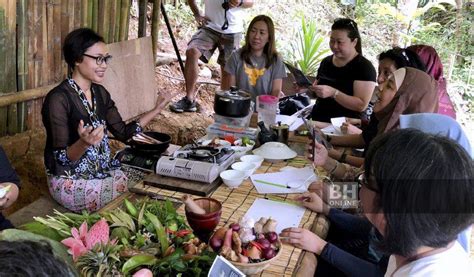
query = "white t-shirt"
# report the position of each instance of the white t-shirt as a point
(215, 12)
(452, 262)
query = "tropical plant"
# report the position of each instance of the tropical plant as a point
(146, 235)
(307, 48)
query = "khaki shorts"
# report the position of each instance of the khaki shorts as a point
(207, 40)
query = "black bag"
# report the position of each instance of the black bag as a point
(291, 104)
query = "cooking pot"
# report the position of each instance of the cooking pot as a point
(232, 103)
(156, 148)
(281, 131)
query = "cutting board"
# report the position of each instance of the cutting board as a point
(181, 185)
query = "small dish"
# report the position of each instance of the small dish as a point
(255, 159)
(246, 167)
(232, 178)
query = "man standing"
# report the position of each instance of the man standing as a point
(220, 27)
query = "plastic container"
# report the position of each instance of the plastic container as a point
(267, 108)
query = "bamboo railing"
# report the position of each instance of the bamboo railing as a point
(31, 37)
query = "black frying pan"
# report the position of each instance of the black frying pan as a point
(157, 148)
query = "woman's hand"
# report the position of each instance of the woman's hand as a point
(349, 129)
(324, 91)
(313, 202)
(303, 239)
(318, 154)
(11, 196)
(89, 135)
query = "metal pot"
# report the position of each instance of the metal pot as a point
(232, 103)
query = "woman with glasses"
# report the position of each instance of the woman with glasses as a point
(78, 114)
(345, 80)
(416, 193)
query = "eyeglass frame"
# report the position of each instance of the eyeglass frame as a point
(363, 182)
(99, 60)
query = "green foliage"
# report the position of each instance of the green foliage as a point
(308, 48)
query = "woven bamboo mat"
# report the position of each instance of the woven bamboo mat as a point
(236, 202)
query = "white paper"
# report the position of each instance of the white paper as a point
(331, 130)
(292, 121)
(301, 177)
(337, 122)
(222, 267)
(285, 213)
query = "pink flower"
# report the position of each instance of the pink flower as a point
(144, 272)
(83, 240)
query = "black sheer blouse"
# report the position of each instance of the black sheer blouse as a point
(62, 110)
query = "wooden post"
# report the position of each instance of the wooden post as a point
(8, 116)
(155, 26)
(22, 59)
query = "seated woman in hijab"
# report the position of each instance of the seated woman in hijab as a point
(401, 165)
(434, 68)
(407, 91)
(389, 62)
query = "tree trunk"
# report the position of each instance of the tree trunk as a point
(457, 37)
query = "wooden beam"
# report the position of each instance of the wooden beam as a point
(24, 96)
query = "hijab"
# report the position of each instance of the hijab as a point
(438, 124)
(434, 67)
(416, 94)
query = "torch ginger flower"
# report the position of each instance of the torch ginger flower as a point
(83, 240)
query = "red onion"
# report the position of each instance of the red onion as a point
(215, 243)
(269, 253)
(265, 243)
(272, 237)
(235, 227)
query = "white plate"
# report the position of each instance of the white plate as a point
(275, 151)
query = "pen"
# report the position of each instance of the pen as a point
(272, 184)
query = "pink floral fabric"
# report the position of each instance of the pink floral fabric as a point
(91, 195)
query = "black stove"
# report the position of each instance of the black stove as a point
(208, 154)
(143, 160)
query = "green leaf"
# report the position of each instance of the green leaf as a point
(137, 261)
(160, 231)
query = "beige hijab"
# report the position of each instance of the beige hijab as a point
(417, 93)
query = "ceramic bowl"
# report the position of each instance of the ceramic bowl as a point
(246, 167)
(275, 151)
(232, 178)
(255, 159)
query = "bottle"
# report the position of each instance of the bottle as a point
(267, 106)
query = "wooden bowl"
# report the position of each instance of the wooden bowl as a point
(255, 268)
(204, 224)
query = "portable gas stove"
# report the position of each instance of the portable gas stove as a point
(197, 163)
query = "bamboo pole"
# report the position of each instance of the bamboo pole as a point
(112, 19)
(84, 13)
(95, 15)
(22, 59)
(104, 19)
(125, 17)
(24, 96)
(118, 13)
(155, 26)
(9, 116)
(142, 7)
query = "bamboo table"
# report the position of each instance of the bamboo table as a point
(236, 202)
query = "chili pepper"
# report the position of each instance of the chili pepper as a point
(256, 244)
(182, 233)
(132, 210)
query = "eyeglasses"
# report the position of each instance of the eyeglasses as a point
(100, 59)
(363, 182)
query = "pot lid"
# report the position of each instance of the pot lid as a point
(234, 93)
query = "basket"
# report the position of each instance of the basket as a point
(255, 268)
